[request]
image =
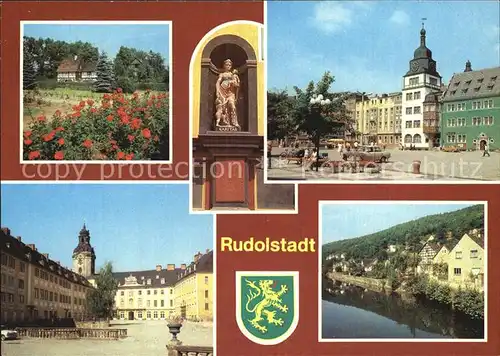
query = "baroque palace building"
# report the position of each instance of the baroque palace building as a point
(33, 286)
(155, 294)
(471, 109)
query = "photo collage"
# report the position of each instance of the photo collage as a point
(242, 178)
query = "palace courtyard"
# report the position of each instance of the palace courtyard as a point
(145, 338)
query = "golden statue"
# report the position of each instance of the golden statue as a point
(226, 97)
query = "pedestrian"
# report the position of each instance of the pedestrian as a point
(269, 151)
(486, 150)
(356, 145)
(311, 160)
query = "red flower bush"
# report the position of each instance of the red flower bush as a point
(120, 127)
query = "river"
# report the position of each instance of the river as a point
(350, 311)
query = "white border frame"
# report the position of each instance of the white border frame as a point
(191, 94)
(296, 317)
(346, 181)
(110, 22)
(323, 203)
(152, 182)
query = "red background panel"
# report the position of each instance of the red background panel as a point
(191, 21)
(304, 341)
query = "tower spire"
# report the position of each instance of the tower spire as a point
(422, 33)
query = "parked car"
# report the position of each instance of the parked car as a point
(8, 333)
(368, 153)
(327, 144)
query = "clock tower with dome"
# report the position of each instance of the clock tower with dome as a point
(83, 255)
(421, 79)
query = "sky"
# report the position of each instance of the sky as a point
(345, 221)
(367, 45)
(108, 38)
(135, 226)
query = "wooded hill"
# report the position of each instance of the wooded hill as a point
(445, 227)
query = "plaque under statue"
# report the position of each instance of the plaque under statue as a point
(226, 99)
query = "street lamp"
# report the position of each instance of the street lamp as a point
(316, 102)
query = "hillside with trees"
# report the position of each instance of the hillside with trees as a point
(130, 70)
(444, 227)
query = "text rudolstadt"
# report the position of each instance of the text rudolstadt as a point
(228, 244)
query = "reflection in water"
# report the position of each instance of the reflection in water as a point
(350, 311)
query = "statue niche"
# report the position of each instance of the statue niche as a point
(228, 101)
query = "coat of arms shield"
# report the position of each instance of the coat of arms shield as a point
(267, 305)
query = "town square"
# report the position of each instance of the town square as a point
(361, 109)
(94, 287)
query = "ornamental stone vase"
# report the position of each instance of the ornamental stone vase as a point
(174, 329)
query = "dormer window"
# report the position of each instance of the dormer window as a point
(453, 92)
(7, 244)
(162, 281)
(157, 276)
(490, 87)
(457, 84)
(149, 281)
(476, 89)
(464, 91)
(142, 278)
(468, 82)
(41, 262)
(480, 80)
(493, 78)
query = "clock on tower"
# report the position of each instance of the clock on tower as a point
(414, 66)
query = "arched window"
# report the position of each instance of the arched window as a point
(408, 138)
(417, 138)
(80, 270)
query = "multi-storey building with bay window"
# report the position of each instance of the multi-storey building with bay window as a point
(471, 110)
(378, 119)
(421, 79)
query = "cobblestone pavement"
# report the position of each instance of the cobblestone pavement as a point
(435, 165)
(146, 338)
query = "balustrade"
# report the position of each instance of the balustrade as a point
(72, 333)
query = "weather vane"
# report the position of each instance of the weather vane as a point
(423, 19)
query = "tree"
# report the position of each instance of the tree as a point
(104, 81)
(100, 301)
(319, 120)
(279, 111)
(29, 80)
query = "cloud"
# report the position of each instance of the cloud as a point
(351, 72)
(400, 17)
(331, 17)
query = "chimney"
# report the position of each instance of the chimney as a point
(46, 255)
(170, 267)
(183, 266)
(6, 231)
(468, 66)
(197, 257)
(32, 246)
(18, 238)
(158, 268)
